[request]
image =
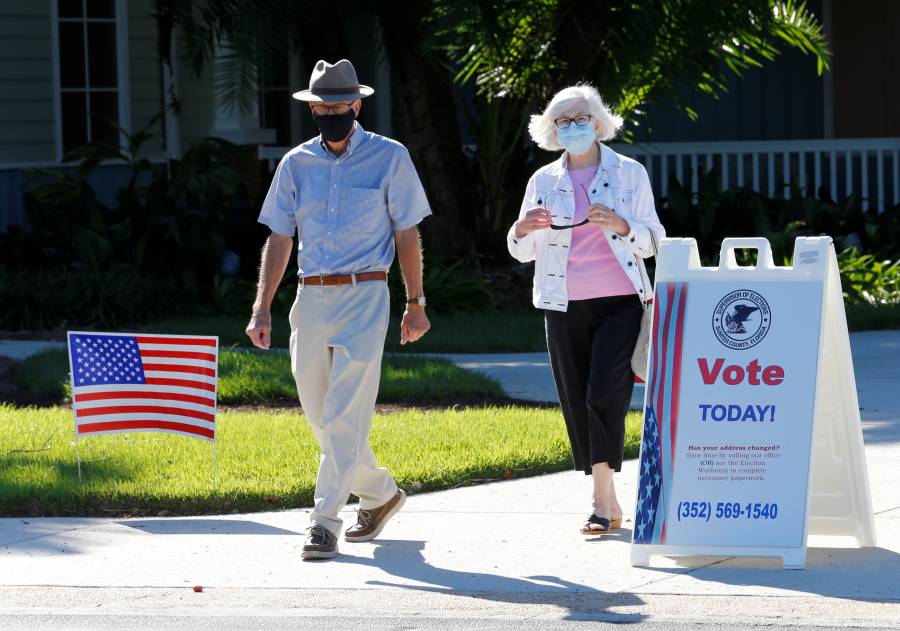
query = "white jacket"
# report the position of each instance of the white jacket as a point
(622, 184)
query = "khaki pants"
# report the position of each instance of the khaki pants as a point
(337, 341)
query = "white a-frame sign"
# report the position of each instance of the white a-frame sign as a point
(752, 437)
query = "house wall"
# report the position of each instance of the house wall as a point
(866, 68)
(143, 78)
(783, 100)
(27, 118)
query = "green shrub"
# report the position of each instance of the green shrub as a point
(866, 279)
(62, 298)
(450, 288)
(713, 214)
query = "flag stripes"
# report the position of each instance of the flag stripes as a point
(126, 383)
(661, 413)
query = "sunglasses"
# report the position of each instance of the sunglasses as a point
(574, 225)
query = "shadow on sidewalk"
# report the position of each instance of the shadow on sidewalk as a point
(865, 574)
(205, 526)
(56, 536)
(404, 559)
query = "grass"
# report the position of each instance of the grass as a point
(265, 378)
(509, 332)
(266, 459)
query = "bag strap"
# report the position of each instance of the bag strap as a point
(643, 271)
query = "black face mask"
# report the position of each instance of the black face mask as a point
(335, 127)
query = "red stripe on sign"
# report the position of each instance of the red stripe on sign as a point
(124, 394)
(194, 370)
(148, 409)
(189, 341)
(207, 357)
(184, 383)
(664, 376)
(89, 428)
(676, 363)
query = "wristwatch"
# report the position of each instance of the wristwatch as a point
(418, 300)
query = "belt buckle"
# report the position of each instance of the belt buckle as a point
(321, 279)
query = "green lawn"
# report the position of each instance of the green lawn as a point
(508, 332)
(520, 331)
(265, 378)
(266, 459)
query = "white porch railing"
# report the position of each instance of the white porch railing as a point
(272, 155)
(868, 168)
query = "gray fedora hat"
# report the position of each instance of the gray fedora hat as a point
(333, 82)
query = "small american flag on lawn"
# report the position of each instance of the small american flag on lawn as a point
(124, 382)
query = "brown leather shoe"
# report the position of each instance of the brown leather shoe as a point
(320, 544)
(370, 523)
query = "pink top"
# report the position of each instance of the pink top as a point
(593, 271)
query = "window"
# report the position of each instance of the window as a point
(88, 72)
(275, 102)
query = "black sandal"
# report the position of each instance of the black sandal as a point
(595, 526)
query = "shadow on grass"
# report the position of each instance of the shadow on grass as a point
(404, 559)
(21, 495)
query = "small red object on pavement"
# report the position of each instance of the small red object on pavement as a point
(198, 588)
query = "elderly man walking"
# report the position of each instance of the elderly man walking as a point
(352, 198)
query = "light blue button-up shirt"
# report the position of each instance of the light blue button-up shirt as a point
(345, 209)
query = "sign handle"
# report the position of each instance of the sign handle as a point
(728, 261)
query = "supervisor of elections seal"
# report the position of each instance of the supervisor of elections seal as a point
(741, 319)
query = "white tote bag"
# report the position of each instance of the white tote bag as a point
(640, 356)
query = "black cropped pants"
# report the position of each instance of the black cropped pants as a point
(590, 352)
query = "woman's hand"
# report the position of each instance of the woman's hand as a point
(605, 217)
(534, 219)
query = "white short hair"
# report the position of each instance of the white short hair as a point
(543, 129)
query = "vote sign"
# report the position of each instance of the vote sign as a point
(730, 405)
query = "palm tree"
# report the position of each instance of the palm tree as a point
(514, 54)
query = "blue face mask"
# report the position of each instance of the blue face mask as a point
(577, 140)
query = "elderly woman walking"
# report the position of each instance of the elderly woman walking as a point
(586, 220)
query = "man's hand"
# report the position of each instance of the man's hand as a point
(274, 260)
(260, 329)
(414, 325)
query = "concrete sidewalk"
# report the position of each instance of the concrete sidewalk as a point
(508, 550)
(476, 557)
(23, 349)
(525, 376)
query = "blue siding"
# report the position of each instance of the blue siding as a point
(783, 100)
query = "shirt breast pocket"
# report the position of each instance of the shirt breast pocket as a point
(623, 201)
(363, 211)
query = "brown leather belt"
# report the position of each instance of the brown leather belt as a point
(348, 279)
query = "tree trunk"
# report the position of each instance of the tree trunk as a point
(425, 121)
